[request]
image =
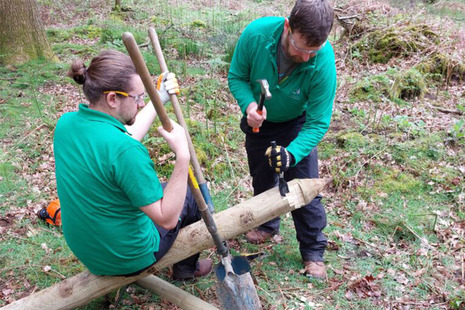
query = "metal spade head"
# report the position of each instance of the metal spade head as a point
(235, 288)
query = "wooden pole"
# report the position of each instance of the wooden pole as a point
(174, 294)
(82, 288)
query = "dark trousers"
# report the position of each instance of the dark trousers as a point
(310, 220)
(190, 214)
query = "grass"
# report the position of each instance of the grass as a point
(395, 210)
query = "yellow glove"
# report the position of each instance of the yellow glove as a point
(279, 158)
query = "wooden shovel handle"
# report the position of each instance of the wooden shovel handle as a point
(177, 110)
(199, 189)
(141, 68)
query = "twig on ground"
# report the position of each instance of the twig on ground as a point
(334, 287)
(59, 275)
(463, 269)
(348, 17)
(200, 292)
(448, 111)
(423, 240)
(32, 131)
(51, 231)
(228, 160)
(282, 295)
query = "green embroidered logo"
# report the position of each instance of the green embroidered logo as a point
(296, 94)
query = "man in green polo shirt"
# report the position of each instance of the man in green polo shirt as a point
(297, 61)
(117, 218)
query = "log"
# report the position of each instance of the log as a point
(82, 288)
(174, 294)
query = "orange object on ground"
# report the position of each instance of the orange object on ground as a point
(52, 213)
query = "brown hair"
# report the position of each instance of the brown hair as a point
(110, 70)
(313, 19)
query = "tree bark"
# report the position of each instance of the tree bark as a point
(80, 289)
(22, 35)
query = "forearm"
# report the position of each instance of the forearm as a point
(174, 194)
(144, 120)
(241, 91)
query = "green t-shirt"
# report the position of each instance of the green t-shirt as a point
(310, 87)
(103, 177)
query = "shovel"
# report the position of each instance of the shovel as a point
(235, 290)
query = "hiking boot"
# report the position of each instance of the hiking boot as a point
(315, 270)
(256, 236)
(204, 267)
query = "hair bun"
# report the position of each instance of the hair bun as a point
(78, 72)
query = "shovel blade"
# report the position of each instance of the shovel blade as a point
(235, 289)
(237, 292)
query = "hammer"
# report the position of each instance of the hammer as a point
(265, 95)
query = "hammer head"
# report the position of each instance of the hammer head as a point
(265, 88)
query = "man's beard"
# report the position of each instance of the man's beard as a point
(286, 48)
(131, 121)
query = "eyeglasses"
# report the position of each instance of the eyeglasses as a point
(302, 49)
(137, 98)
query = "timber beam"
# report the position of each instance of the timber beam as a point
(84, 287)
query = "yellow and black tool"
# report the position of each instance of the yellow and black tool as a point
(283, 187)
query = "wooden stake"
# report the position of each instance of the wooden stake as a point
(174, 294)
(82, 288)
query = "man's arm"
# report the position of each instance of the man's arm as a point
(165, 212)
(319, 112)
(168, 84)
(144, 120)
(239, 73)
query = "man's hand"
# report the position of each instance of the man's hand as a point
(177, 140)
(167, 84)
(254, 119)
(279, 158)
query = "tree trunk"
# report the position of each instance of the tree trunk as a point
(22, 35)
(80, 289)
(117, 5)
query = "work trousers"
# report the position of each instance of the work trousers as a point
(190, 214)
(310, 220)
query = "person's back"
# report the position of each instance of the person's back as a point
(96, 161)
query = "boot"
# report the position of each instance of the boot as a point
(257, 236)
(204, 267)
(315, 270)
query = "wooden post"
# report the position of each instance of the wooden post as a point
(174, 294)
(82, 288)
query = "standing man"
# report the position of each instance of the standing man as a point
(116, 216)
(296, 59)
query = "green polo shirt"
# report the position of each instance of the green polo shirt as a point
(103, 177)
(310, 88)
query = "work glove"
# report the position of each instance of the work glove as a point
(167, 84)
(279, 158)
